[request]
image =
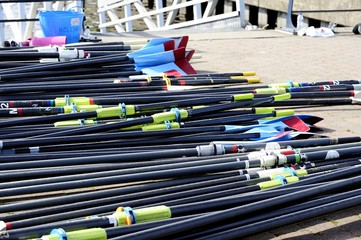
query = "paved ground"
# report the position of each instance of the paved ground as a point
(278, 57)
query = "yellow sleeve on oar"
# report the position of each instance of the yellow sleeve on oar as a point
(141, 215)
(281, 113)
(85, 234)
(73, 123)
(120, 111)
(80, 108)
(60, 102)
(263, 110)
(170, 116)
(277, 182)
(154, 127)
(247, 73)
(273, 90)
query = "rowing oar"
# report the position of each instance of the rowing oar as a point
(340, 87)
(265, 161)
(116, 231)
(260, 184)
(196, 222)
(174, 129)
(170, 116)
(163, 96)
(264, 183)
(140, 169)
(127, 157)
(156, 213)
(246, 147)
(180, 210)
(226, 189)
(129, 110)
(125, 110)
(145, 61)
(258, 221)
(40, 111)
(292, 217)
(70, 86)
(191, 182)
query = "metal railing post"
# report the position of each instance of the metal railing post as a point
(2, 26)
(289, 23)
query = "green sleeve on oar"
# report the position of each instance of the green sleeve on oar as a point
(281, 113)
(85, 234)
(284, 113)
(143, 215)
(121, 110)
(150, 127)
(60, 102)
(164, 126)
(301, 172)
(72, 123)
(253, 80)
(277, 182)
(242, 97)
(264, 110)
(266, 91)
(169, 116)
(79, 108)
(281, 97)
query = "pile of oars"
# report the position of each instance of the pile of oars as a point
(175, 155)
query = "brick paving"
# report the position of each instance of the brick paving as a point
(279, 57)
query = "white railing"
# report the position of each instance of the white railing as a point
(18, 18)
(162, 18)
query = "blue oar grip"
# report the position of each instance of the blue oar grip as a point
(290, 171)
(129, 212)
(282, 179)
(123, 109)
(178, 116)
(60, 233)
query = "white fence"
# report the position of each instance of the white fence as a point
(162, 18)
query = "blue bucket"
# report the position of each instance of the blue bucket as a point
(62, 23)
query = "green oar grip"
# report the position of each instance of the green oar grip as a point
(152, 127)
(79, 108)
(142, 215)
(281, 180)
(253, 80)
(169, 116)
(85, 234)
(163, 126)
(60, 102)
(72, 123)
(266, 91)
(281, 97)
(242, 97)
(284, 113)
(264, 110)
(121, 110)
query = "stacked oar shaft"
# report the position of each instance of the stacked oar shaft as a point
(120, 147)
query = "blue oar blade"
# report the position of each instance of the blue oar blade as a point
(283, 136)
(159, 58)
(293, 122)
(264, 131)
(178, 68)
(156, 41)
(166, 46)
